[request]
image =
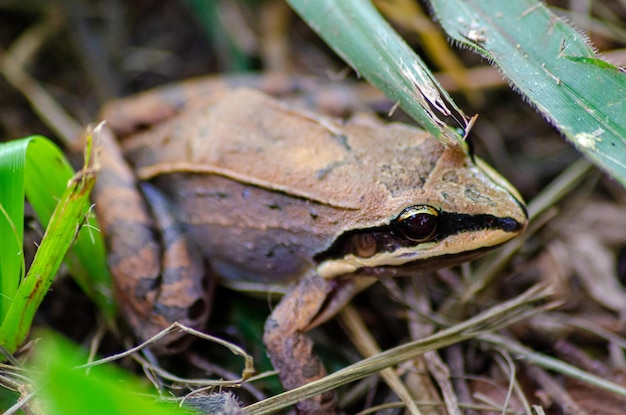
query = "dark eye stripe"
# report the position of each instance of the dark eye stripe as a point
(455, 223)
(388, 240)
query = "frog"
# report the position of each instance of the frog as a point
(204, 182)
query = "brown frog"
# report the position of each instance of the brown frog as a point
(267, 197)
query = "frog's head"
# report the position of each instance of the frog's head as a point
(461, 210)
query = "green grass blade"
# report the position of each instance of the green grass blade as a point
(105, 390)
(553, 66)
(86, 260)
(44, 173)
(362, 38)
(207, 13)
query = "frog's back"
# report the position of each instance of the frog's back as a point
(255, 139)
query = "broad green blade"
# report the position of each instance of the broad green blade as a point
(12, 162)
(553, 66)
(37, 167)
(104, 390)
(362, 38)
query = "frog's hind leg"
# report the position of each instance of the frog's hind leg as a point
(151, 298)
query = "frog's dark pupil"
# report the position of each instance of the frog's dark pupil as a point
(417, 226)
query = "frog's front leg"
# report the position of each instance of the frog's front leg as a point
(288, 347)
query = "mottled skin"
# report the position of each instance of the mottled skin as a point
(259, 194)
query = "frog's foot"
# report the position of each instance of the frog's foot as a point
(290, 350)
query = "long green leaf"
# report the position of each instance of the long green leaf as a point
(362, 38)
(553, 66)
(12, 162)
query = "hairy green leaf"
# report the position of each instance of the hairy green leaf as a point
(553, 66)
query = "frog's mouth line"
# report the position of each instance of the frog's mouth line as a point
(388, 240)
(423, 264)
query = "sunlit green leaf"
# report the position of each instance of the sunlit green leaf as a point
(106, 390)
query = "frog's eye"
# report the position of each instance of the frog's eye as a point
(418, 223)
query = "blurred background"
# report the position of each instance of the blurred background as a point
(69, 57)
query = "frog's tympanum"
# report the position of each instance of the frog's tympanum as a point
(243, 188)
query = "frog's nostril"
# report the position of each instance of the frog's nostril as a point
(197, 310)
